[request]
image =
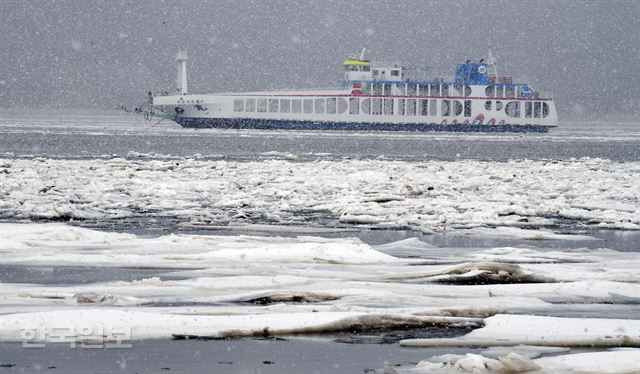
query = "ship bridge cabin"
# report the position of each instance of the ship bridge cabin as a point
(471, 79)
(364, 70)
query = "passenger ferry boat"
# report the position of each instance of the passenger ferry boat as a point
(374, 96)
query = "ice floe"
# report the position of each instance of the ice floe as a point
(83, 324)
(610, 361)
(231, 286)
(46, 244)
(509, 330)
(380, 193)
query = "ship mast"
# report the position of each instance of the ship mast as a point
(362, 53)
(182, 72)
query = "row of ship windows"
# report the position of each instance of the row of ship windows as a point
(378, 106)
(183, 101)
(419, 89)
(415, 89)
(532, 109)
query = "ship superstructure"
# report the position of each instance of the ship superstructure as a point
(375, 96)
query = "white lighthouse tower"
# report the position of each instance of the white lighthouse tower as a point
(182, 72)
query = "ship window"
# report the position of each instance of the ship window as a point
(411, 107)
(490, 91)
(395, 73)
(467, 108)
(342, 105)
(308, 106)
(319, 106)
(238, 105)
(445, 90)
(537, 109)
(285, 105)
(400, 88)
(377, 88)
(528, 109)
(457, 107)
(366, 88)
(273, 105)
(350, 68)
(296, 106)
(388, 106)
(365, 106)
(387, 88)
(512, 109)
(423, 89)
(467, 91)
(354, 105)
(434, 107)
(435, 89)
(401, 104)
(499, 91)
(487, 104)
(411, 89)
(366, 68)
(250, 105)
(498, 105)
(509, 91)
(376, 106)
(545, 110)
(446, 104)
(458, 90)
(376, 72)
(262, 105)
(423, 107)
(331, 105)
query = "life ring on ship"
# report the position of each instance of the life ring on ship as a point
(482, 69)
(454, 122)
(491, 122)
(466, 122)
(444, 122)
(501, 123)
(478, 120)
(179, 110)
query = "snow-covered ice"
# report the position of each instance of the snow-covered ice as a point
(232, 286)
(380, 193)
(610, 361)
(103, 323)
(506, 330)
(222, 286)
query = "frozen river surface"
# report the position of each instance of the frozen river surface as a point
(286, 252)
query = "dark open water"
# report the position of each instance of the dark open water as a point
(87, 135)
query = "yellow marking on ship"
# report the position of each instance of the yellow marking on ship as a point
(356, 62)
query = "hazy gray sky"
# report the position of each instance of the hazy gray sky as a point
(79, 53)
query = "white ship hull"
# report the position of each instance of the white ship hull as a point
(343, 110)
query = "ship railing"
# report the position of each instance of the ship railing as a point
(333, 88)
(500, 79)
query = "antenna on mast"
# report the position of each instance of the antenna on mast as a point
(362, 54)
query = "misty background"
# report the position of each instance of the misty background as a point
(97, 54)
